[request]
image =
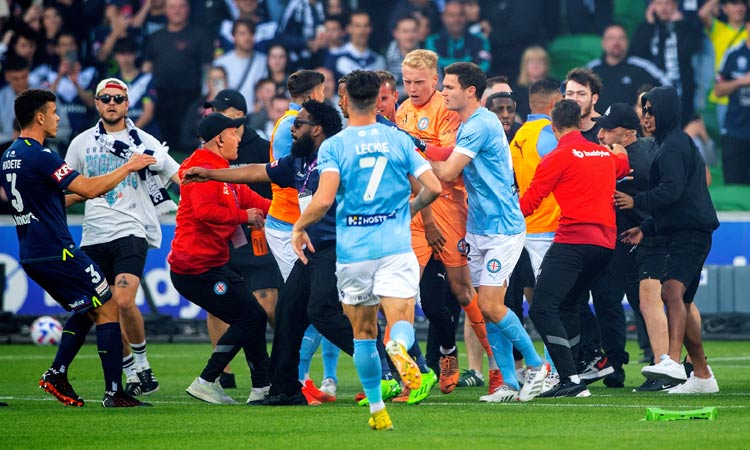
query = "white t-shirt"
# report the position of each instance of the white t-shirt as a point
(127, 209)
(236, 67)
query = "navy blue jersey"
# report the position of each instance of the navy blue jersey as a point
(303, 175)
(736, 64)
(34, 179)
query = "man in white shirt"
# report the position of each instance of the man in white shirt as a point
(119, 227)
(243, 65)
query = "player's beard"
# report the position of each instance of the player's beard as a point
(303, 146)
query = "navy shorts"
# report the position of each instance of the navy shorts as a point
(687, 250)
(76, 283)
(123, 255)
(651, 261)
(259, 272)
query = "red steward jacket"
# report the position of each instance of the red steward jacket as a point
(582, 175)
(207, 217)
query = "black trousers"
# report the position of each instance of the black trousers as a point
(608, 328)
(735, 160)
(568, 270)
(226, 295)
(441, 308)
(170, 114)
(310, 295)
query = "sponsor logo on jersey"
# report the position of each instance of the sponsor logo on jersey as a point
(63, 171)
(24, 219)
(367, 220)
(583, 154)
(220, 288)
(102, 288)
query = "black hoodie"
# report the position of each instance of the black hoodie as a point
(678, 196)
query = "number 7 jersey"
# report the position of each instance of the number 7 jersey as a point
(372, 212)
(35, 179)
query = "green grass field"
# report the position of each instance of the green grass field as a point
(609, 419)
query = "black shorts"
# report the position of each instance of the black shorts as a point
(260, 272)
(686, 252)
(651, 262)
(123, 255)
(76, 283)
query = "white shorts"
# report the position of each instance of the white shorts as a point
(537, 248)
(280, 244)
(492, 258)
(363, 283)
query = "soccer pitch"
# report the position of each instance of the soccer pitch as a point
(609, 419)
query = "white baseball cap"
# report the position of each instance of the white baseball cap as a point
(111, 83)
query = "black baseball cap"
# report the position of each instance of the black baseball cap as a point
(228, 98)
(618, 115)
(213, 124)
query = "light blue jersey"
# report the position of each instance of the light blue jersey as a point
(372, 212)
(493, 199)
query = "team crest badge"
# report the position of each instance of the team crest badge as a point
(220, 288)
(493, 266)
(423, 123)
(462, 247)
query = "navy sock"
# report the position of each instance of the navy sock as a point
(73, 336)
(109, 345)
(416, 353)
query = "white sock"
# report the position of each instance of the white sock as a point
(377, 406)
(128, 366)
(448, 351)
(575, 379)
(139, 352)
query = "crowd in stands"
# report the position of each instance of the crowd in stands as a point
(176, 54)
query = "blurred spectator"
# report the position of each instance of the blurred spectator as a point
(299, 30)
(535, 66)
(141, 91)
(668, 41)
(583, 87)
(425, 29)
(356, 55)
(265, 90)
(177, 56)
(405, 39)
(734, 81)
(333, 40)
(19, 42)
(118, 20)
(337, 8)
(475, 23)
(72, 83)
(279, 105)
(455, 43)
(696, 129)
(589, 16)
(250, 10)
(516, 26)
(155, 20)
(422, 9)
(52, 23)
(243, 65)
(278, 67)
(330, 86)
(621, 74)
(216, 80)
(17, 77)
(723, 36)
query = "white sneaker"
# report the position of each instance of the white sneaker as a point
(257, 395)
(329, 386)
(695, 385)
(210, 393)
(533, 382)
(666, 370)
(552, 380)
(503, 394)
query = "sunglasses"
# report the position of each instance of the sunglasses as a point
(648, 110)
(106, 98)
(299, 122)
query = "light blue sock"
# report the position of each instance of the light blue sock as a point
(503, 352)
(552, 368)
(403, 332)
(310, 343)
(330, 359)
(512, 329)
(367, 363)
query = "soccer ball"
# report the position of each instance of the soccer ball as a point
(46, 330)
